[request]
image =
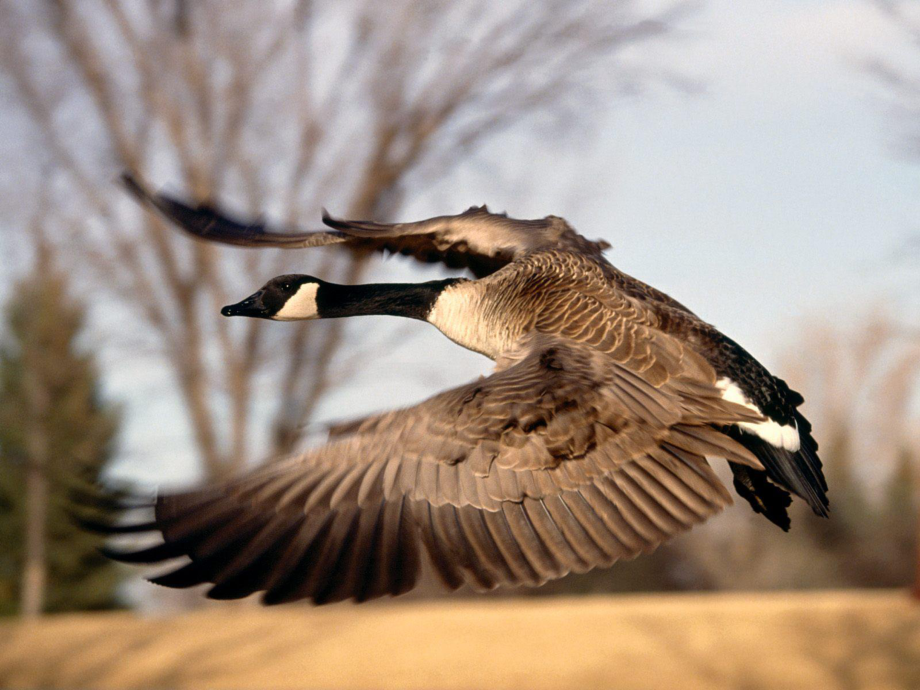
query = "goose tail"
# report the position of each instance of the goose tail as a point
(797, 471)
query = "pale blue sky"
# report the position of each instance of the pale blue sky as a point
(771, 198)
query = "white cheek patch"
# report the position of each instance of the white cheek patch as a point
(302, 305)
(774, 433)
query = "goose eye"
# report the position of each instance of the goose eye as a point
(286, 287)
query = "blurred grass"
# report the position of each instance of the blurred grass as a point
(735, 641)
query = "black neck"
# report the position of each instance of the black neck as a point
(412, 300)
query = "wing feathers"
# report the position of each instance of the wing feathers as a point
(294, 565)
(445, 566)
(206, 223)
(567, 461)
(531, 545)
(250, 570)
(574, 532)
(520, 567)
(477, 534)
(553, 538)
(476, 239)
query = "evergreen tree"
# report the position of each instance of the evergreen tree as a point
(56, 439)
(846, 542)
(898, 521)
(851, 509)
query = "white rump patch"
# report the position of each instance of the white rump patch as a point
(301, 305)
(780, 435)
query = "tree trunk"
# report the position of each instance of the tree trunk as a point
(34, 571)
(915, 590)
(32, 600)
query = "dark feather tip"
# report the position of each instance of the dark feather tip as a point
(333, 222)
(134, 187)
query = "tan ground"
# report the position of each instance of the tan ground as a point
(739, 641)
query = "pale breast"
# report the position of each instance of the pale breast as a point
(479, 317)
(543, 291)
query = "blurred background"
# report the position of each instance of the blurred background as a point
(760, 162)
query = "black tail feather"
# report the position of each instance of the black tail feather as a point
(796, 471)
(764, 496)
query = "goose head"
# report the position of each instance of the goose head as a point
(285, 298)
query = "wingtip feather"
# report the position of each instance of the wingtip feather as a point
(135, 188)
(332, 221)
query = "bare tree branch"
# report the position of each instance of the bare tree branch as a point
(281, 108)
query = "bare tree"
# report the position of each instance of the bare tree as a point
(862, 384)
(901, 81)
(902, 88)
(278, 106)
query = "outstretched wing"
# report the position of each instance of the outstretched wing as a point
(206, 223)
(563, 461)
(476, 239)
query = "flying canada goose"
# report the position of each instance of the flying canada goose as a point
(587, 444)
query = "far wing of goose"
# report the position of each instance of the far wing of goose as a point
(563, 461)
(476, 239)
(205, 222)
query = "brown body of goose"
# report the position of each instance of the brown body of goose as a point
(588, 443)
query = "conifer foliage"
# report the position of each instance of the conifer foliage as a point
(56, 439)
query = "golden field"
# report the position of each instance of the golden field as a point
(733, 641)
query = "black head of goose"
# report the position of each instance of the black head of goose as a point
(588, 443)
